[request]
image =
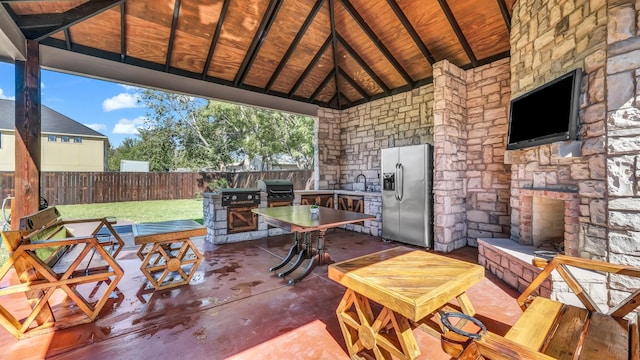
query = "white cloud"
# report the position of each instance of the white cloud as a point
(3, 96)
(97, 127)
(128, 127)
(121, 101)
(129, 87)
(41, 85)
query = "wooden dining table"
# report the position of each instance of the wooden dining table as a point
(409, 285)
(302, 222)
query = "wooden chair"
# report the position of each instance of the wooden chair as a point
(55, 271)
(550, 329)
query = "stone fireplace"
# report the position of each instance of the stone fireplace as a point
(549, 220)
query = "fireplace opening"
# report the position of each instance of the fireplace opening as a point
(548, 223)
(554, 219)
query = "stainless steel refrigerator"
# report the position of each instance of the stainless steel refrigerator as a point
(407, 194)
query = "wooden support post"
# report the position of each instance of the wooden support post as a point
(27, 121)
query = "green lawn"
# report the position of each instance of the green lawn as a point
(135, 211)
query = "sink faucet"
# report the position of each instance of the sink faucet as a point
(365, 180)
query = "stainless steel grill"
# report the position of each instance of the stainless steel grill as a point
(279, 192)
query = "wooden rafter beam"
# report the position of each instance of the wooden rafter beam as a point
(330, 75)
(411, 31)
(334, 45)
(294, 44)
(364, 65)
(216, 37)
(38, 27)
(123, 31)
(505, 14)
(456, 29)
(376, 41)
(67, 38)
(172, 34)
(311, 66)
(353, 83)
(267, 20)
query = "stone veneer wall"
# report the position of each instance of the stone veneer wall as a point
(550, 38)
(471, 180)
(622, 78)
(398, 120)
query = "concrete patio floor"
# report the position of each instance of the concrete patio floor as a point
(240, 310)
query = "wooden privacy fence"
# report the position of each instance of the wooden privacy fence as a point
(65, 188)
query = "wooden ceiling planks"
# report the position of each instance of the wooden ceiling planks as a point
(286, 47)
(317, 75)
(194, 32)
(395, 37)
(238, 30)
(353, 34)
(353, 70)
(288, 21)
(148, 26)
(44, 7)
(482, 26)
(311, 43)
(108, 21)
(435, 31)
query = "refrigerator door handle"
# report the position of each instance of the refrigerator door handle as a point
(401, 182)
(396, 194)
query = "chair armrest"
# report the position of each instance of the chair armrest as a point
(560, 263)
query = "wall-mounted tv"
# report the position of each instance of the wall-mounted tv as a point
(546, 114)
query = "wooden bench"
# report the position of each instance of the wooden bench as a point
(55, 269)
(549, 329)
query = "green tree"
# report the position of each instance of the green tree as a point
(130, 149)
(183, 131)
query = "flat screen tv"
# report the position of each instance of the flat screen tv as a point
(546, 114)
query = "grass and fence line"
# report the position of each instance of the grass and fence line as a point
(66, 188)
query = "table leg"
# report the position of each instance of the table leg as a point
(387, 335)
(320, 257)
(302, 255)
(295, 249)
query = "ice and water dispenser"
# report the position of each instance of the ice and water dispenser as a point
(389, 181)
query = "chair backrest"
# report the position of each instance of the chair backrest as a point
(40, 219)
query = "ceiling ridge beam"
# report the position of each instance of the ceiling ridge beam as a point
(364, 65)
(294, 44)
(505, 14)
(334, 44)
(258, 39)
(412, 31)
(456, 29)
(353, 83)
(216, 37)
(38, 27)
(376, 41)
(123, 31)
(311, 66)
(324, 83)
(172, 34)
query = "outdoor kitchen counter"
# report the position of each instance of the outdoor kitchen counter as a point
(340, 192)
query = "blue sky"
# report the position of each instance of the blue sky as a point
(106, 107)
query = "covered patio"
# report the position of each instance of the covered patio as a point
(239, 310)
(375, 75)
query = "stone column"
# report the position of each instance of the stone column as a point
(450, 157)
(328, 148)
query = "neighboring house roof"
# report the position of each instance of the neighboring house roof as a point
(52, 122)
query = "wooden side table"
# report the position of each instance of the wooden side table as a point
(410, 285)
(168, 256)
